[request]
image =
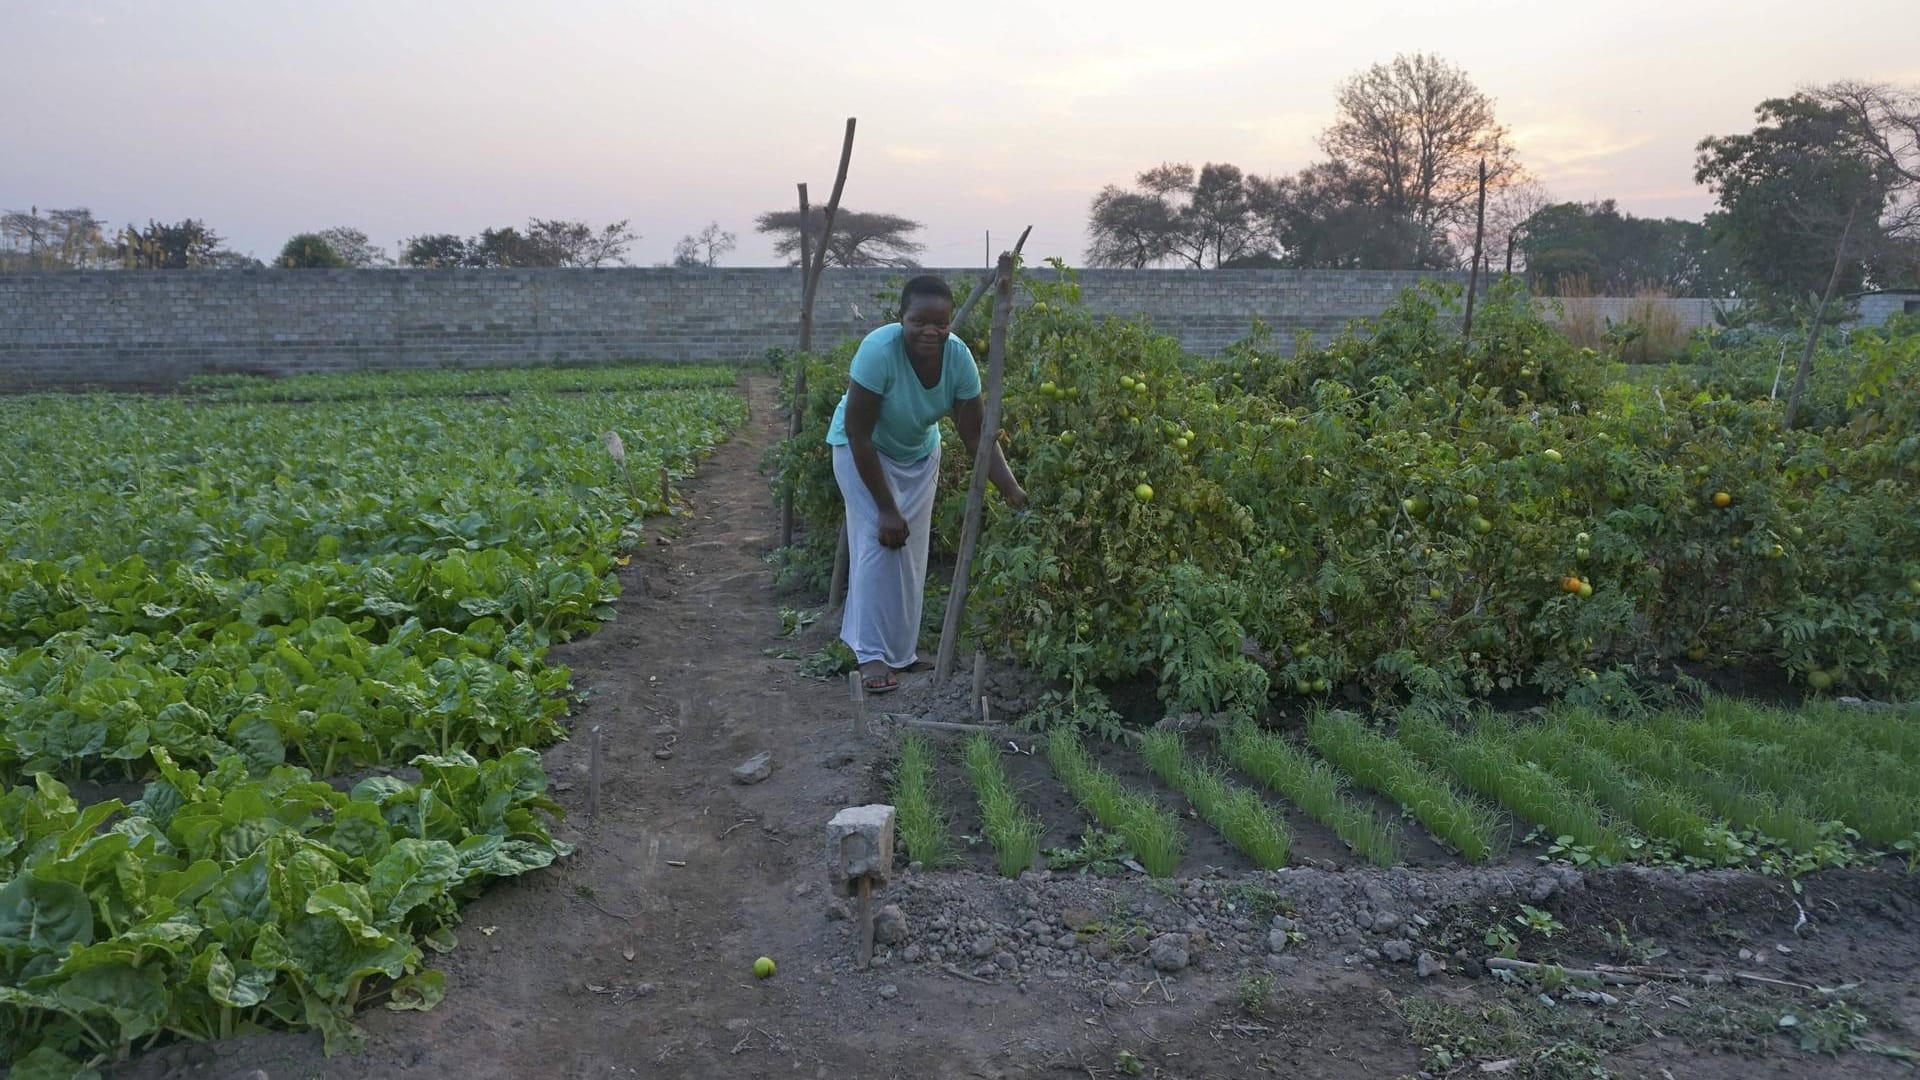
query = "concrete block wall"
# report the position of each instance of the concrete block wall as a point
(1877, 308)
(156, 327)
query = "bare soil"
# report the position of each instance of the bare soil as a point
(633, 957)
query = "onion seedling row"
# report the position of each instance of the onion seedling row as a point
(1248, 823)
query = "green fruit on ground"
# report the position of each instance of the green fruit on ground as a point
(763, 968)
(1819, 680)
(1482, 526)
(1143, 492)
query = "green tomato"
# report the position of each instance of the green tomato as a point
(1143, 492)
(1550, 454)
(1471, 502)
(1482, 526)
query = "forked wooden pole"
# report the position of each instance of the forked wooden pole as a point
(986, 283)
(813, 260)
(982, 456)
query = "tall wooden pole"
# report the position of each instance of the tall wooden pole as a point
(982, 457)
(812, 262)
(1800, 375)
(1479, 234)
(986, 283)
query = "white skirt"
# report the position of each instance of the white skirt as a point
(886, 587)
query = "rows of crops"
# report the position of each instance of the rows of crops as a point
(1422, 520)
(1730, 785)
(214, 608)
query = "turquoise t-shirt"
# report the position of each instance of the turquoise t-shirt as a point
(909, 425)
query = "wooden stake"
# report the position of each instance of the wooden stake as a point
(593, 772)
(866, 922)
(837, 590)
(983, 454)
(1479, 232)
(986, 283)
(812, 262)
(979, 675)
(857, 690)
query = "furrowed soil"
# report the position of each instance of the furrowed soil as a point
(634, 956)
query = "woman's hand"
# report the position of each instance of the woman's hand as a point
(893, 528)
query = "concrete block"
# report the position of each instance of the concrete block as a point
(860, 844)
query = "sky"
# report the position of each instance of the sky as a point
(270, 117)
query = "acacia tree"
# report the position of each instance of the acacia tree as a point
(1412, 134)
(860, 238)
(705, 247)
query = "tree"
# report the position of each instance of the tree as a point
(1326, 218)
(860, 238)
(545, 243)
(1411, 134)
(1202, 218)
(353, 247)
(1817, 190)
(188, 244)
(309, 251)
(1130, 229)
(574, 243)
(70, 239)
(1788, 191)
(435, 251)
(705, 247)
(1616, 254)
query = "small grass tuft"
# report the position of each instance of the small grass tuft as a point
(1013, 832)
(922, 820)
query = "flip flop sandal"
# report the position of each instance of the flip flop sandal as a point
(880, 684)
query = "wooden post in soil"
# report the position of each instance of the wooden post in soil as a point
(813, 260)
(1479, 233)
(977, 492)
(986, 282)
(837, 589)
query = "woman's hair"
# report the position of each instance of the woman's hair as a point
(924, 285)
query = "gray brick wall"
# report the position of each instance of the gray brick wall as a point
(1877, 308)
(155, 327)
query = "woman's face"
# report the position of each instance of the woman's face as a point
(925, 325)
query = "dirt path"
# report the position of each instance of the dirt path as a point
(633, 957)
